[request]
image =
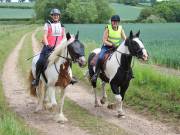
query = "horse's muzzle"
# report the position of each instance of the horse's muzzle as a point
(82, 61)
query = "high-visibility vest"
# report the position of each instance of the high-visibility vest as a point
(55, 35)
(114, 36)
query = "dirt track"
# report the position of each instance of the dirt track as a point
(24, 105)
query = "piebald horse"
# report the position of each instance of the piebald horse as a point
(58, 74)
(118, 72)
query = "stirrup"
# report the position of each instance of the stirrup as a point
(35, 83)
(73, 81)
(94, 78)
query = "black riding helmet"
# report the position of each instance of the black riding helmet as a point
(115, 18)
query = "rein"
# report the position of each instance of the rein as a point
(125, 55)
(66, 58)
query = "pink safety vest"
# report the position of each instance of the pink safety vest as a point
(52, 39)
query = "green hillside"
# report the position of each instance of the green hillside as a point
(126, 12)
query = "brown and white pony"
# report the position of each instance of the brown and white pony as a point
(58, 74)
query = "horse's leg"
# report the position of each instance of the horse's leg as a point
(116, 91)
(52, 95)
(95, 96)
(122, 93)
(104, 95)
(61, 118)
(40, 92)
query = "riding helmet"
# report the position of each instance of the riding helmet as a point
(115, 18)
(55, 11)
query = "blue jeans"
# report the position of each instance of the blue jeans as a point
(42, 61)
(104, 49)
(45, 52)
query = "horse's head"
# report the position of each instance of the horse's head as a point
(76, 50)
(136, 47)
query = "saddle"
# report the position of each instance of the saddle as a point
(103, 61)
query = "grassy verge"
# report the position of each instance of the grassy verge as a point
(10, 123)
(25, 53)
(82, 118)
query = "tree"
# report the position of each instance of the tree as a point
(104, 11)
(78, 11)
(153, 2)
(82, 12)
(21, 1)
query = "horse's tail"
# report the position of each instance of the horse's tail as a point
(32, 89)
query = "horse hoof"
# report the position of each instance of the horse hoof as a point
(111, 106)
(51, 107)
(38, 109)
(103, 101)
(61, 119)
(121, 116)
(97, 105)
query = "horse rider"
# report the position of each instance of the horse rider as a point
(54, 32)
(111, 39)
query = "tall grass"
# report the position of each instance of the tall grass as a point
(10, 123)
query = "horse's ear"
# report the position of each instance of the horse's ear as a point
(68, 36)
(131, 34)
(138, 33)
(77, 35)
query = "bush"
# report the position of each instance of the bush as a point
(145, 13)
(164, 11)
(131, 2)
(154, 19)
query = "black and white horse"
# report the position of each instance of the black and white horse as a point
(58, 74)
(118, 72)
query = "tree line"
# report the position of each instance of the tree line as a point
(164, 11)
(76, 11)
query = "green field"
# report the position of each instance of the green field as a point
(126, 12)
(17, 5)
(161, 40)
(11, 13)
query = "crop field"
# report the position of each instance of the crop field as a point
(16, 5)
(12, 13)
(161, 40)
(126, 12)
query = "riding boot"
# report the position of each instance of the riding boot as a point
(97, 71)
(73, 80)
(39, 69)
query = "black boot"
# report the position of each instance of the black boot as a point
(73, 80)
(39, 69)
(97, 71)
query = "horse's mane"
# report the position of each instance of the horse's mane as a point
(59, 50)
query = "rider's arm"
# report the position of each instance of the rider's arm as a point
(123, 35)
(44, 40)
(105, 38)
